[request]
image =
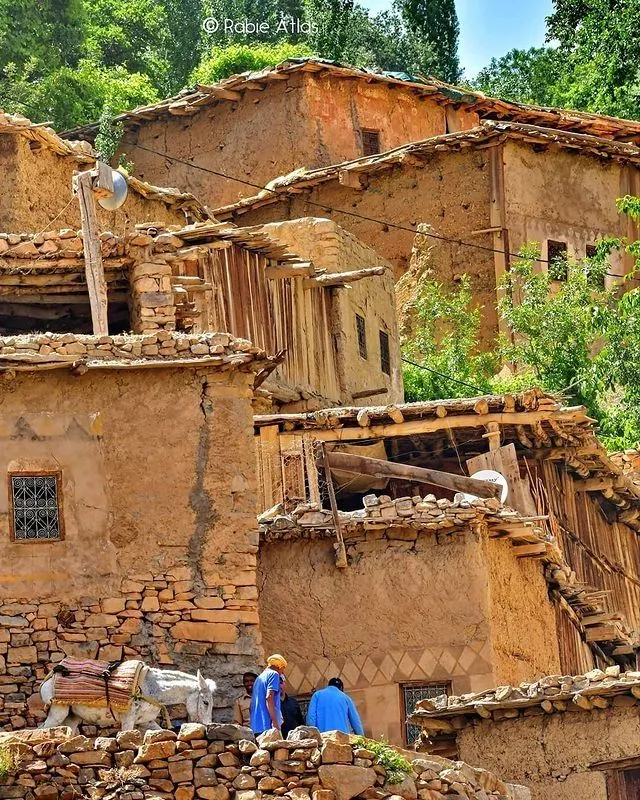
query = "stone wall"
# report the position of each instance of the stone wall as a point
(552, 753)
(221, 762)
(159, 551)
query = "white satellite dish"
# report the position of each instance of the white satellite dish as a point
(120, 189)
(490, 476)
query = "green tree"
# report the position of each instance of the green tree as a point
(225, 61)
(526, 76)
(436, 22)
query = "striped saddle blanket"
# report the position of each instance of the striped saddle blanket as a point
(96, 683)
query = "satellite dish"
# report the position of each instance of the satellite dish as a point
(490, 476)
(120, 189)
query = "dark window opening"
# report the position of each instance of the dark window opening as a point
(557, 258)
(412, 693)
(385, 358)
(61, 313)
(591, 251)
(623, 784)
(36, 512)
(362, 336)
(370, 142)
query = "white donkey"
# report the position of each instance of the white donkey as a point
(158, 688)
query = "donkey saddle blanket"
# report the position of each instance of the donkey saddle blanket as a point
(96, 683)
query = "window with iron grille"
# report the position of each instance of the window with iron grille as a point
(411, 694)
(35, 506)
(303, 702)
(557, 258)
(370, 142)
(362, 336)
(385, 358)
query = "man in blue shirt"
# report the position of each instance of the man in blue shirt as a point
(265, 710)
(331, 709)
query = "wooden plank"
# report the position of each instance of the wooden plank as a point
(376, 467)
(342, 278)
(271, 470)
(96, 282)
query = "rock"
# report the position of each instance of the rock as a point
(184, 792)
(246, 747)
(250, 794)
(334, 753)
(406, 789)
(229, 733)
(304, 732)
(150, 752)
(77, 744)
(346, 781)
(159, 736)
(323, 794)
(338, 737)
(228, 759)
(259, 758)
(517, 792)
(244, 781)
(129, 740)
(269, 783)
(298, 794)
(181, 771)
(269, 737)
(213, 792)
(191, 730)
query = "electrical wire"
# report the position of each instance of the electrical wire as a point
(442, 375)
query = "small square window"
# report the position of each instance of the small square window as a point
(591, 251)
(35, 506)
(411, 694)
(370, 142)
(362, 336)
(385, 358)
(557, 258)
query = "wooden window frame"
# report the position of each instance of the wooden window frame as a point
(385, 357)
(361, 327)
(370, 135)
(557, 250)
(33, 473)
(403, 705)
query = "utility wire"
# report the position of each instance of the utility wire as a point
(324, 206)
(442, 375)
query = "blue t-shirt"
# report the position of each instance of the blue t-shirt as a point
(267, 681)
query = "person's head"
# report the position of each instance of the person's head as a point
(277, 662)
(248, 679)
(337, 683)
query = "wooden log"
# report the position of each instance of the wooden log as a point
(303, 269)
(96, 283)
(593, 485)
(602, 633)
(395, 414)
(361, 465)
(369, 393)
(528, 550)
(363, 418)
(342, 278)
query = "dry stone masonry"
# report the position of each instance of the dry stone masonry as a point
(225, 762)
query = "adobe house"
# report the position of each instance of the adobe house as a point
(570, 736)
(327, 313)
(447, 594)
(312, 113)
(484, 193)
(122, 531)
(37, 169)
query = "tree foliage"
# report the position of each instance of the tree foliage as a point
(572, 336)
(593, 63)
(62, 60)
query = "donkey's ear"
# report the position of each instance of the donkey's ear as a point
(202, 682)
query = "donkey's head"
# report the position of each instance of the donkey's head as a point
(200, 701)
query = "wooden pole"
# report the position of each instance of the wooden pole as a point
(96, 283)
(378, 468)
(341, 554)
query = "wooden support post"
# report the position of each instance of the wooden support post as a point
(378, 468)
(493, 435)
(96, 283)
(341, 554)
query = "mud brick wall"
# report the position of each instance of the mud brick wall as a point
(221, 762)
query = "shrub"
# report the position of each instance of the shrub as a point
(396, 766)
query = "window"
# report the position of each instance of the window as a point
(362, 336)
(385, 358)
(591, 251)
(411, 694)
(557, 258)
(370, 142)
(623, 784)
(35, 512)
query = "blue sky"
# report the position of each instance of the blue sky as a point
(492, 27)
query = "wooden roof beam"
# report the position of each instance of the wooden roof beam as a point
(334, 279)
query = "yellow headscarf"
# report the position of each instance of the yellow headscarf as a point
(276, 660)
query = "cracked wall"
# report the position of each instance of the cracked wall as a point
(160, 548)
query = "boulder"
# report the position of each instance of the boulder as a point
(335, 753)
(191, 730)
(304, 732)
(220, 732)
(346, 781)
(269, 737)
(406, 789)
